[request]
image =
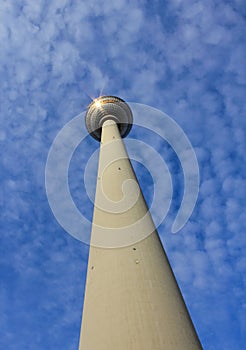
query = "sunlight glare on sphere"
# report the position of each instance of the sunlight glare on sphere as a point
(97, 103)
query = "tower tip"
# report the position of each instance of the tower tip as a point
(108, 107)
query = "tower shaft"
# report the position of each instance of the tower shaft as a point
(132, 300)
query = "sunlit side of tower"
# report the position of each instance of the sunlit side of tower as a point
(132, 300)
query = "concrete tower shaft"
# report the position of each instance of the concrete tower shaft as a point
(132, 300)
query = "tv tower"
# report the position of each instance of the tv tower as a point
(132, 300)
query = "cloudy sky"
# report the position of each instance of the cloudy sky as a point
(185, 58)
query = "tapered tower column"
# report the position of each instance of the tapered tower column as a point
(132, 300)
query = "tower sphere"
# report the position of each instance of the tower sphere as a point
(108, 107)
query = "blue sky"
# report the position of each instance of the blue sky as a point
(186, 58)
